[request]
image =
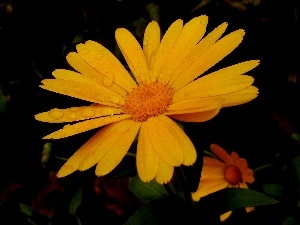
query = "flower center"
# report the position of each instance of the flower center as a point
(148, 100)
(233, 175)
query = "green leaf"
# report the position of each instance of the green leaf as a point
(273, 189)
(75, 202)
(146, 191)
(240, 197)
(25, 209)
(169, 210)
(230, 199)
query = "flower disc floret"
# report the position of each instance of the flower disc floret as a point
(148, 100)
(233, 175)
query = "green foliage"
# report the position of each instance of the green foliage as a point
(147, 191)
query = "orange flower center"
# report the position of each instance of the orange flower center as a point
(148, 100)
(233, 175)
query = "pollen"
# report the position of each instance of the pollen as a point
(148, 100)
(233, 175)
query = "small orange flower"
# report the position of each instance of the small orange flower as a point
(217, 175)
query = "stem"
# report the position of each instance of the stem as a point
(187, 197)
(262, 167)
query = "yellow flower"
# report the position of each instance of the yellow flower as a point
(164, 86)
(217, 175)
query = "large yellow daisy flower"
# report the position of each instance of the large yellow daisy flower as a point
(164, 86)
(231, 171)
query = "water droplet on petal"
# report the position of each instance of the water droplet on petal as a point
(72, 116)
(74, 109)
(145, 43)
(107, 111)
(88, 112)
(56, 113)
(114, 99)
(100, 98)
(109, 79)
(99, 56)
(82, 50)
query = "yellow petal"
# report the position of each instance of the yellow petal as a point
(221, 154)
(151, 42)
(207, 187)
(90, 72)
(133, 54)
(91, 93)
(165, 48)
(212, 173)
(194, 105)
(69, 130)
(196, 117)
(191, 34)
(221, 82)
(249, 209)
(106, 63)
(117, 152)
(146, 157)
(199, 50)
(164, 172)
(240, 97)
(109, 138)
(164, 140)
(188, 149)
(225, 216)
(211, 57)
(76, 113)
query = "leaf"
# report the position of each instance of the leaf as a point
(240, 197)
(230, 199)
(146, 191)
(169, 210)
(273, 189)
(75, 202)
(25, 209)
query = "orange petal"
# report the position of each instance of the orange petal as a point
(76, 113)
(165, 48)
(90, 72)
(190, 35)
(240, 97)
(221, 154)
(212, 173)
(164, 172)
(69, 130)
(106, 143)
(146, 157)
(211, 57)
(196, 117)
(207, 187)
(151, 43)
(164, 140)
(225, 216)
(117, 152)
(98, 57)
(209, 161)
(92, 93)
(199, 50)
(133, 54)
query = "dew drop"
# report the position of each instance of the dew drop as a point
(74, 109)
(56, 113)
(88, 112)
(109, 80)
(99, 98)
(99, 56)
(82, 50)
(107, 111)
(114, 99)
(72, 116)
(145, 43)
(101, 62)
